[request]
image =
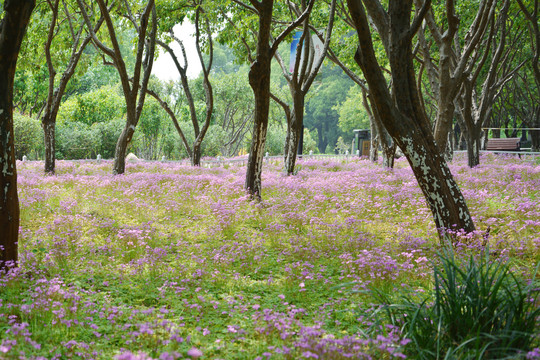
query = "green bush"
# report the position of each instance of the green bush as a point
(100, 105)
(275, 139)
(75, 141)
(477, 311)
(28, 137)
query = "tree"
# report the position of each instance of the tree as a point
(321, 111)
(340, 55)
(234, 109)
(534, 29)
(134, 87)
(55, 93)
(458, 55)
(305, 69)
(12, 29)
(401, 112)
(477, 101)
(259, 80)
(194, 150)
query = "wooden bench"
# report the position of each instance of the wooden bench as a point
(508, 144)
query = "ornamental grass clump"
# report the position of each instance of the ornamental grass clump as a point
(477, 310)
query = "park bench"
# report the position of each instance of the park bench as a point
(508, 144)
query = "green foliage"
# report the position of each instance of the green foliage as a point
(352, 114)
(75, 141)
(310, 144)
(341, 146)
(28, 137)
(480, 310)
(275, 139)
(321, 113)
(101, 105)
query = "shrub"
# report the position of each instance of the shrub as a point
(28, 136)
(478, 311)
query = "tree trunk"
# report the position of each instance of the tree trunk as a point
(389, 154)
(259, 80)
(388, 146)
(119, 166)
(12, 29)
(374, 148)
(535, 140)
(473, 148)
(49, 125)
(297, 124)
(404, 118)
(196, 155)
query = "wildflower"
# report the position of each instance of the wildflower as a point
(194, 353)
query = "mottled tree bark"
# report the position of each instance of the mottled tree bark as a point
(12, 29)
(402, 114)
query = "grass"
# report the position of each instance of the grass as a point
(169, 261)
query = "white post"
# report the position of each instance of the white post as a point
(98, 158)
(163, 158)
(24, 158)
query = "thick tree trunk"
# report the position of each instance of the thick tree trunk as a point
(259, 80)
(297, 125)
(535, 140)
(49, 125)
(404, 118)
(196, 155)
(119, 166)
(12, 29)
(389, 154)
(473, 148)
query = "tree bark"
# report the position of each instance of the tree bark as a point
(404, 119)
(12, 29)
(49, 127)
(295, 131)
(259, 80)
(473, 148)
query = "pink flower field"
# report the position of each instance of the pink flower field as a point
(172, 262)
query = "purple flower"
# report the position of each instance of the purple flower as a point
(194, 353)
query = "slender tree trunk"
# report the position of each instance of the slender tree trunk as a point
(374, 149)
(535, 140)
(12, 29)
(297, 124)
(388, 146)
(49, 125)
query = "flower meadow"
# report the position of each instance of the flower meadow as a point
(174, 262)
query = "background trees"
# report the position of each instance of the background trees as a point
(401, 111)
